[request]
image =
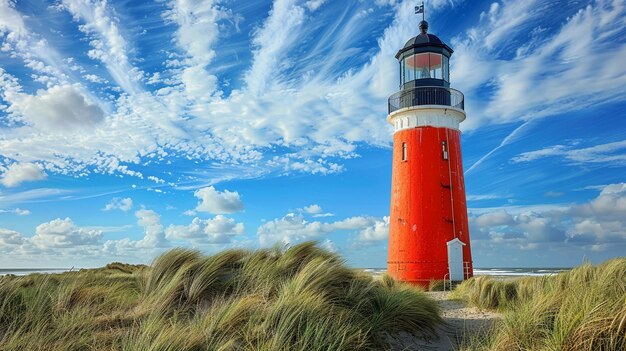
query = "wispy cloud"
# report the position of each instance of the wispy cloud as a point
(33, 195)
(550, 73)
(308, 96)
(611, 154)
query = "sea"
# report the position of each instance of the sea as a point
(500, 272)
(26, 271)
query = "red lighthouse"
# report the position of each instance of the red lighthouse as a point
(428, 229)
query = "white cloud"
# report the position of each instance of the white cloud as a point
(548, 70)
(125, 204)
(153, 241)
(156, 179)
(63, 233)
(10, 19)
(494, 219)
(483, 197)
(237, 129)
(314, 4)
(329, 245)
(336, 88)
(609, 205)
(313, 209)
(322, 215)
(218, 202)
(271, 42)
(550, 74)
(95, 79)
(39, 194)
(217, 230)
(108, 44)
(376, 232)
(154, 235)
(612, 154)
(17, 173)
(59, 108)
(599, 221)
(10, 238)
(18, 211)
(294, 228)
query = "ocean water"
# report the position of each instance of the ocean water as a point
(25, 271)
(500, 272)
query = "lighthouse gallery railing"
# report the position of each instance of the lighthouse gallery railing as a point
(426, 96)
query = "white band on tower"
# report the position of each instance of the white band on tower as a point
(426, 115)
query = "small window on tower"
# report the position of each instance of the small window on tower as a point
(404, 151)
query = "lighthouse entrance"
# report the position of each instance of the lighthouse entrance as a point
(455, 259)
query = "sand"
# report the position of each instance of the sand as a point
(460, 322)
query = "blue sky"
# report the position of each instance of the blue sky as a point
(131, 127)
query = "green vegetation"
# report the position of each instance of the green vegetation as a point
(582, 309)
(303, 298)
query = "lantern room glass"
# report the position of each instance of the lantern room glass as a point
(423, 66)
(446, 68)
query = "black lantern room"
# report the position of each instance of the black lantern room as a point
(424, 61)
(425, 73)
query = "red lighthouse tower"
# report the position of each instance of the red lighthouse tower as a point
(428, 229)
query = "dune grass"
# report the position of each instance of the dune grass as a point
(583, 309)
(302, 298)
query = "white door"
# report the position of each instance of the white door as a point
(455, 259)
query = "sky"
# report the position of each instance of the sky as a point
(128, 128)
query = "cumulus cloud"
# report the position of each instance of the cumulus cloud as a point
(59, 108)
(10, 238)
(218, 202)
(153, 239)
(17, 173)
(217, 230)
(63, 233)
(595, 223)
(316, 211)
(154, 235)
(378, 231)
(494, 219)
(294, 228)
(125, 204)
(313, 209)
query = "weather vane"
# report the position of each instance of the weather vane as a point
(420, 9)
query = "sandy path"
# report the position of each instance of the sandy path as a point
(460, 322)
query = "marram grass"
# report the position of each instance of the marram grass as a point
(580, 310)
(302, 298)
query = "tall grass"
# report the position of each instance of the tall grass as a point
(302, 298)
(582, 309)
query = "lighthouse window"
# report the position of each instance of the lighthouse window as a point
(426, 65)
(404, 151)
(409, 68)
(435, 66)
(421, 66)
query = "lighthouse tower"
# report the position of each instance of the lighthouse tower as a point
(428, 229)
